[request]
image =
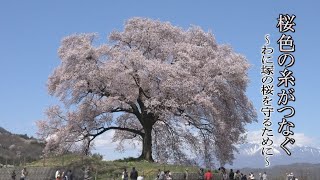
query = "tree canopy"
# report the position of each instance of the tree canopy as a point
(175, 91)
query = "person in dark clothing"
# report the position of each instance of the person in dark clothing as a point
(13, 175)
(244, 177)
(201, 174)
(133, 174)
(158, 175)
(231, 175)
(69, 175)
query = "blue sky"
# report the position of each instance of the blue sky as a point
(31, 31)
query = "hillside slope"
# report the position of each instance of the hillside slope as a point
(16, 149)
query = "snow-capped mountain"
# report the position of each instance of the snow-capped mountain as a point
(250, 156)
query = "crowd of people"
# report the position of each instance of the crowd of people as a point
(23, 176)
(62, 175)
(59, 175)
(134, 175)
(240, 176)
(202, 175)
(229, 176)
(166, 175)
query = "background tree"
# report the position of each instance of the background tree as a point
(176, 91)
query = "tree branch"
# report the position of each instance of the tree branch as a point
(103, 129)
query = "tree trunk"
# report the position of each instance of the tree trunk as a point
(146, 153)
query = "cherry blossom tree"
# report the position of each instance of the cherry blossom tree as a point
(175, 91)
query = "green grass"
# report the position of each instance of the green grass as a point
(110, 169)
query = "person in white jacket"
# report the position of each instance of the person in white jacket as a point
(264, 176)
(58, 174)
(251, 176)
(24, 174)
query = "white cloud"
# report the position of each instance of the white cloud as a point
(105, 140)
(103, 145)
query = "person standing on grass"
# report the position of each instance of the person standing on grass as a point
(201, 174)
(158, 175)
(231, 174)
(134, 174)
(237, 175)
(69, 175)
(224, 175)
(251, 176)
(125, 175)
(264, 176)
(208, 175)
(58, 175)
(168, 175)
(244, 177)
(186, 175)
(63, 176)
(161, 175)
(24, 174)
(13, 175)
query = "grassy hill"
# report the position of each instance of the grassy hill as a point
(17, 149)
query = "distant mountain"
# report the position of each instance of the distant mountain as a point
(304, 171)
(250, 156)
(16, 148)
